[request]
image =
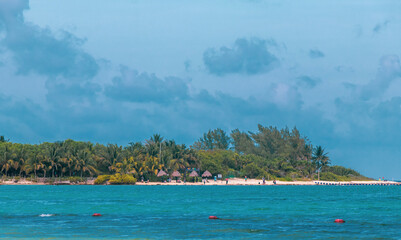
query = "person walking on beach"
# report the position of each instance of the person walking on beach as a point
(263, 179)
(245, 178)
(226, 180)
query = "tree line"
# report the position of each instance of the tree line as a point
(270, 152)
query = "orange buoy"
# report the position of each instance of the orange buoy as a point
(96, 215)
(213, 217)
(339, 221)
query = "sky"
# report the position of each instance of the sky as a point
(121, 71)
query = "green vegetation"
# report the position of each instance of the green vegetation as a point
(270, 152)
(102, 179)
(119, 178)
(76, 179)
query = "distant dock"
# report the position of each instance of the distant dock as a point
(369, 183)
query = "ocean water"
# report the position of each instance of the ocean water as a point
(181, 212)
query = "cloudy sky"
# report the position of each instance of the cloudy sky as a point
(120, 71)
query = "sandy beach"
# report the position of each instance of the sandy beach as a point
(210, 182)
(28, 182)
(242, 182)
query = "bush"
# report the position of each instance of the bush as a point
(253, 171)
(286, 179)
(329, 176)
(49, 180)
(125, 179)
(102, 179)
(75, 179)
(342, 171)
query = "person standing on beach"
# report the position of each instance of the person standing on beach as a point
(263, 179)
(226, 180)
(245, 178)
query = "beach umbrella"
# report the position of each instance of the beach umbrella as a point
(206, 174)
(161, 173)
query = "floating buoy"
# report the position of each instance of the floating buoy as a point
(213, 217)
(96, 215)
(339, 221)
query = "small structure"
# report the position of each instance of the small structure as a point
(161, 173)
(176, 174)
(195, 175)
(206, 174)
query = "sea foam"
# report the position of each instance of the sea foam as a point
(46, 215)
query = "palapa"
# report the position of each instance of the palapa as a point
(193, 174)
(206, 174)
(176, 174)
(161, 173)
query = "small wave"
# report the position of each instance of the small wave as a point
(46, 215)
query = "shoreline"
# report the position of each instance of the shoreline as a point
(231, 182)
(257, 182)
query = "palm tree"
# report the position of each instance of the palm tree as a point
(27, 168)
(111, 155)
(35, 162)
(4, 159)
(154, 165)
(44, 166)
(15, 165)
(320, 159)
(70, 159)
(54, 164)
(21, 158)
(153, 145)
(125, 166)
(140, 167)
(67, 165)
(85, 163)
(156, 139)
(178, 163)
(7, 165)
(53, 154)
(41, 166)
(2, 139)
(21, 164)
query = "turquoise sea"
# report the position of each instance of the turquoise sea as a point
(181, 212)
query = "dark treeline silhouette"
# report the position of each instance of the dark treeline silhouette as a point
(270, 152)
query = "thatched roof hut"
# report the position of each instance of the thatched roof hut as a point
(161, 173)
(176, 174)
(193, 174)
(206, 174)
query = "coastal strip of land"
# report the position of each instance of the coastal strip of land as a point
(210, 182)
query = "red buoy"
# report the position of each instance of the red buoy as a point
(96, 215)
(213, 217)
(339, 221)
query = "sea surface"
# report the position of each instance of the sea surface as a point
(182, 212)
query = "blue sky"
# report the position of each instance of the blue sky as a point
(120, 71)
